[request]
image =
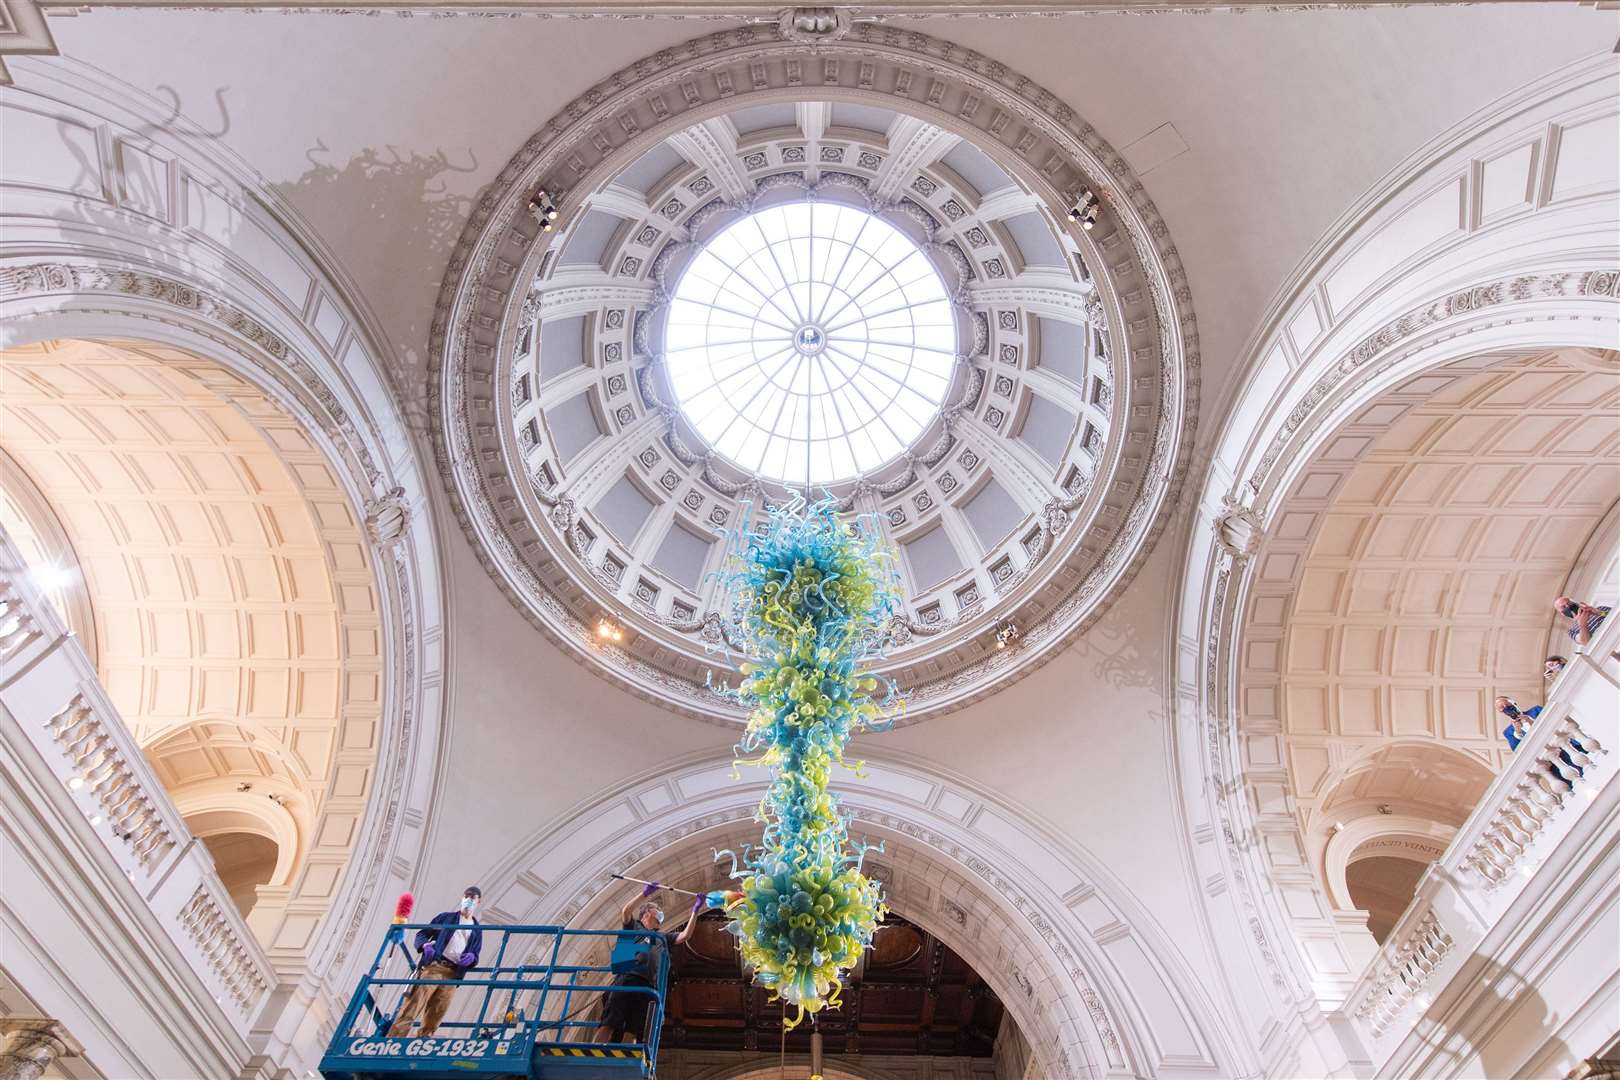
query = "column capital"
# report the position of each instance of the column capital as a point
(28, 1045)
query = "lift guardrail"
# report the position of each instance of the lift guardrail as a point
(532, 1010)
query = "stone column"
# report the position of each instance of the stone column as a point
(27, 1047)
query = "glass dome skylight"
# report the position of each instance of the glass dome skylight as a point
(810, 343)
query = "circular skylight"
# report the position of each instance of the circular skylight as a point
(810, 343)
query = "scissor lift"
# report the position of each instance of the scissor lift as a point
(532, 1012)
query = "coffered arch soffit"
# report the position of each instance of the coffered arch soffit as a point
(1117, 294)
(1094, 984)
(1408, 583)
(226, 568)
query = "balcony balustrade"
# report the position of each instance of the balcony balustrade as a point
(1558, 786)
(51, 697)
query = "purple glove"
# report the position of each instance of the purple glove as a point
(429, 954)
(697, 905)
(650, 888)
(468, 959)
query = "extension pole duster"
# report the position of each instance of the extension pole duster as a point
(710, 899)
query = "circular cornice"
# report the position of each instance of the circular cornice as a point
(1088, 542)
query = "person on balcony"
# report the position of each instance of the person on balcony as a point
(1519, 722)
(1586, 618)
(626, 1014)
(449, 949)
(1554, 667)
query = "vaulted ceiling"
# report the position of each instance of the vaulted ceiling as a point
(1427, 588)
(234, 618)
(1408, 582)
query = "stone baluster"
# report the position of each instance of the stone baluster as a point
(1571, 730)
(225, 955)
(1412, 965)
(1534, 800)
(16, 625)
(95, 759)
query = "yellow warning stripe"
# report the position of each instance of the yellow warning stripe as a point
(569, 1051)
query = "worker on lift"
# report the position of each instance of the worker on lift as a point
(449, 949)
(626, 1013)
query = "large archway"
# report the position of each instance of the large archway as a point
(1087, 976)
(228, 276)
(1406, 290)
(1407, 583)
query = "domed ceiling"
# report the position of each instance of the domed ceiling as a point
(860, 290)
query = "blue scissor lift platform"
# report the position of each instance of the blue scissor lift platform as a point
(531, 1012)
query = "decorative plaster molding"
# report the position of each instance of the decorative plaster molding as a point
(1388, 339)
(388, 517)
(814, 25)
(752, 11)
(1237, 530)
(1563, 295)
(677, 89)
(23, 32)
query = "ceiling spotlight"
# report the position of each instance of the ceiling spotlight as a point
(75, 783)
(1085, 209)
(280, 800)
(608, 630)
(244, 786)
(544, 209)
(1006, 634)
(1385, 808)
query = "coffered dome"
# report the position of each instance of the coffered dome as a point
(860, 294)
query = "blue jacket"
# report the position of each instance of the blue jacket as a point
(1507, 733)
(449, 922)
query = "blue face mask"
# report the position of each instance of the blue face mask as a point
(469, 904)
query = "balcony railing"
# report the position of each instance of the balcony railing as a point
(50, 690)
(1560, 769)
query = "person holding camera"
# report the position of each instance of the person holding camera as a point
(1586, 618)
(1518, 728)
(1518, 721)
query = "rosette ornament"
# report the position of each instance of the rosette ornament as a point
(811, 591)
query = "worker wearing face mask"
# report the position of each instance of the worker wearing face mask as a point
(449, 949)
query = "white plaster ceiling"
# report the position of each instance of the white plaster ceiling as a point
(1426, 583)
(1288, 116)
(236, 620)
